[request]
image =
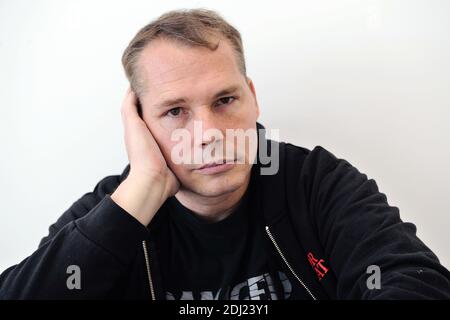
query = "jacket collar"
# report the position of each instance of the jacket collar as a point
(271, 188)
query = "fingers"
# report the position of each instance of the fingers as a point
(129, 107)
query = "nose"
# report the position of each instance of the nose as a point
(207, 126)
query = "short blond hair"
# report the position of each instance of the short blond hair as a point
(193, 27)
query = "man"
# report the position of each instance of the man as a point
(222, 227)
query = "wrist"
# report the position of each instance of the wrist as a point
(141, 196)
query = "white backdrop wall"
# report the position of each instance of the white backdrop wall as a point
(368, 80)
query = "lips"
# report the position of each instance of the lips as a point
(216, 167)
(216, 163)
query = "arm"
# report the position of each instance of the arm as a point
(101, 233)
(89, 241)
(358, 228)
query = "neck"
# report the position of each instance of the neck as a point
(213, 209)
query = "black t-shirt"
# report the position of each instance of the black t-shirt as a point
(225, 260)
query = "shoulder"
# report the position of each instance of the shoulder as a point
(86, 203)
(291, 167)
(105, 186)
(308, 162)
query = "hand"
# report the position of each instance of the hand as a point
(150, 181)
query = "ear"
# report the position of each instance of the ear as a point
(252, 89)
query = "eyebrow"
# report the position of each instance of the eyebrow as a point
(172, 102)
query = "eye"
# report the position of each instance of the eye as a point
(174, 112)
(225, 101)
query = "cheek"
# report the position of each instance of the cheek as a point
(248, 112)
(166, 149)
(252, 111)
(163, 139)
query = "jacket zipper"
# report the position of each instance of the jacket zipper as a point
(149, 274)
(287, 263)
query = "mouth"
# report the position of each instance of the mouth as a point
(216, 167)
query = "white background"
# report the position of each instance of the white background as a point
(367, 80)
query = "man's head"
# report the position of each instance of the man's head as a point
(188, 68)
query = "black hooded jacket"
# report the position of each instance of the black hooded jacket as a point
(326, 221)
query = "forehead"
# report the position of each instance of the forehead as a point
(167, 65)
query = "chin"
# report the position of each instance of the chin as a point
(216, 191)
(213, 186)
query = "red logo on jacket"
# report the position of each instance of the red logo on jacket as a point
(318, 265)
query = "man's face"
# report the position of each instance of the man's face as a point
(187, 86)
